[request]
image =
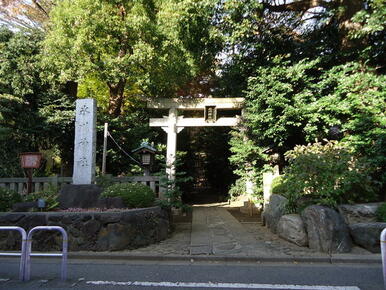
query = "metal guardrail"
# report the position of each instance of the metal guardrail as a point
(23, 252)
(63, 254)
(26, 245)
(383, 251)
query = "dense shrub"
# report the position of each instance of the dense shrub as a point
(104, 181)
(327, 175)
(132, 194)
(50, 195)
(8, 198)
(381, 213)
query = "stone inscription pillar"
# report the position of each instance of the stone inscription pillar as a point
(85, 142)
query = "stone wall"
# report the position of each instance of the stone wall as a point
(89, 231)
(325, 229)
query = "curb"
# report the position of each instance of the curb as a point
(335, 259)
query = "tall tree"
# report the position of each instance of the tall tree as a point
(34, 114)
(155, 46)
(308, 69)
(338, 31)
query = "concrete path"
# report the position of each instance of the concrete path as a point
(216, 232)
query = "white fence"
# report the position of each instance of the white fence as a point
(19, 184)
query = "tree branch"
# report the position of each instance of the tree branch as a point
(38, 6)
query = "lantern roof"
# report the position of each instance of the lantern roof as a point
(145, 146)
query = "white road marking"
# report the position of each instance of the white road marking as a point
(221, 285)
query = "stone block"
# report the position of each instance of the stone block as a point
(367, 235)
(79, 196)
(32, 220)
(359, 213)
(116, 237)
(111, 202)
(291, 228)
(10, 218)
(91, 227)
(327, 230)
(274, 211)
(24, 206)
(108, 217)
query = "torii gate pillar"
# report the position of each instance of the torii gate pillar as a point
(172, 130)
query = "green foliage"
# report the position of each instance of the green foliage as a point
(290, 104)
(134, 195)
(128, 130)
(278, 186)
(237, 189)
(91, 85)
(302, 78)
(34, 114)
(50, 195)
(381, 213)
(136, 48)
(104, 181)
(172, 191)
(370, 31)
(172, 187)
(326, 174)
(8, 198)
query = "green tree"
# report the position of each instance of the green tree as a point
(34, 115)
(148, 45)
(295, 104)
(309, 70)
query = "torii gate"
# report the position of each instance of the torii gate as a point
(173, 124)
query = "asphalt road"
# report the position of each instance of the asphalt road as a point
(103, 274)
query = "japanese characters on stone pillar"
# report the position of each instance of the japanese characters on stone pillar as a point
(85, 142)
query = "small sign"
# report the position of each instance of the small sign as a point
(210, 114)
(30, 159)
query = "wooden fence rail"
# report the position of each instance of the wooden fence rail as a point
(19, 184)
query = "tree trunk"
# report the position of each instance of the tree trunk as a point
(116, 97)
(71, 89)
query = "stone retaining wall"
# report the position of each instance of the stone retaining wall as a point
(325, 229)
(89, 231)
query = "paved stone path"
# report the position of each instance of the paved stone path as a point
(215, 232)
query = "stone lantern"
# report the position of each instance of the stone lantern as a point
(147, 154)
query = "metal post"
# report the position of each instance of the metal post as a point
(23, 249)
(383, 251)
(104, 149)
(63, 255)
